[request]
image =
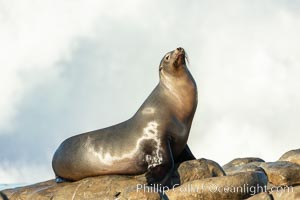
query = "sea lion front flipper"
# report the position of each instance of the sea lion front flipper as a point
(160, 174)
(169, 174)
(185, 155)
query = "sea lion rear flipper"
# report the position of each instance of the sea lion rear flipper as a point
(59, 179)
(185, 155)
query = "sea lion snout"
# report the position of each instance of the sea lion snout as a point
(179, 56)
(180, 49)
(179, 52)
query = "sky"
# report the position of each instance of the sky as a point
(68, 67)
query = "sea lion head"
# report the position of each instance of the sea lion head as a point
(173, 63)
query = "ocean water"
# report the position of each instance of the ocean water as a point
(9, 186)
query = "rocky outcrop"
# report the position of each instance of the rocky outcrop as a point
(102, 187)
(115, 187)
(241, 178)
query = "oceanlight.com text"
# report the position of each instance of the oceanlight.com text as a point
(213, 188)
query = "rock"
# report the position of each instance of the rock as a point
(261, 196)
(24, 192)
(198, 169)
(110, 187)
(250, 167)
(291, 156)
(101, 187)
(282, 172)
(279, 173)
(279, 193)
(225, 187)
(289, 193)
(241, 161)
(134, 194)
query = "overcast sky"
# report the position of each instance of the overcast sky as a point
(68, 67)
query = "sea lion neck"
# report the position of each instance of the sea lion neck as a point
(182, 92)
(182, 77)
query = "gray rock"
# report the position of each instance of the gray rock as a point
(291, 156)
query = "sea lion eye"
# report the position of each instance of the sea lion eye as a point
(168, 57)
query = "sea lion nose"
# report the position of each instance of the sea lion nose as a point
(180, 49)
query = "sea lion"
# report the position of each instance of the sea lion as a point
(150, 141)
